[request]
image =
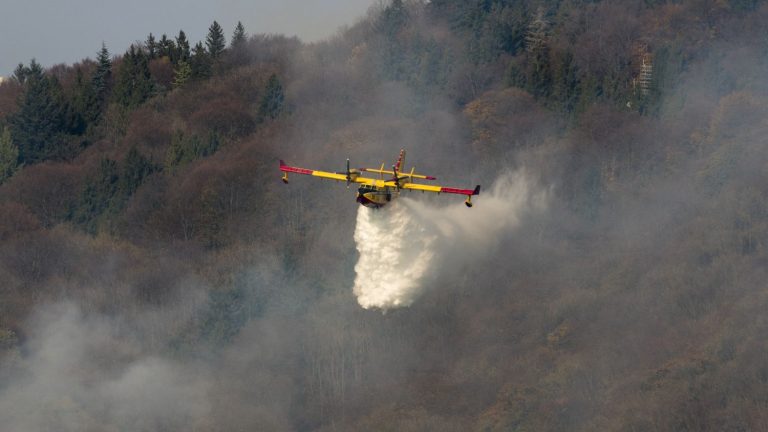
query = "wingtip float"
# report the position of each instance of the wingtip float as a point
(376, 193)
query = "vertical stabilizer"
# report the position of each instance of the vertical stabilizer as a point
(400, 161)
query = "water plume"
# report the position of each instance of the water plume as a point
(400, 246)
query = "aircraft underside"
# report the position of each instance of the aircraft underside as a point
(373, 198)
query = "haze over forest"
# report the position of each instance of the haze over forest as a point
(156, 275)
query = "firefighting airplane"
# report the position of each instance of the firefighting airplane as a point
(376, 193)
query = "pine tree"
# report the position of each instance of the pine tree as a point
(97, 195)
(83, 99)
(38, 125)
(215, 41)
(20, 73)
(182, 48)
(9, 155)
(102, 78)
(167, 47)
(272, 103)
(134, 83)
(151, 47)
(200, 62)
(135, 169)
(239, 36)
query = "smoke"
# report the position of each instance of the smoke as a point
(82, 370)
(403, 245)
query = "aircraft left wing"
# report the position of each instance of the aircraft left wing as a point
(354, 174)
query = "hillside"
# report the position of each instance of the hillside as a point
(158, 276)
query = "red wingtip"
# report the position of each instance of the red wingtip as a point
(431, 178)
(282, 163)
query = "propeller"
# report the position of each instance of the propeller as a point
(349, 174)
(397, 177)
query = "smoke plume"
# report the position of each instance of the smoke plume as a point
(401, 246)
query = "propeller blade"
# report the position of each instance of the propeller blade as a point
(349, 175)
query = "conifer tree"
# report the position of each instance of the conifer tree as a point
(82, 105)
(103, 76)
(239, 36)
(97, 195)
(38, 124)
(20, 73)
(134, 83)
(200, 63)
(182, 48)
(135, 169)
(272, 103)
(167, 47)
(151, 46)
(215, 41)
(9, 155)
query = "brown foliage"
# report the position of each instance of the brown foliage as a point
(49, 190)
(15, 220)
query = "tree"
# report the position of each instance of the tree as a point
(134, 82)
(84, 106)
(239, 36)
(167, 47)
(182, 48)
(101, 83)
(97, 195)
(200, 62)
(9, 155)
(272, 103)
(101, 79)
(38, 125)
(135, 169)
(215, 41)
(151, 46)
(181, 74)
(20, 73)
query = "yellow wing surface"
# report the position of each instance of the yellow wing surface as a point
(353, 176)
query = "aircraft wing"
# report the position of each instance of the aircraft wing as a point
(439, 189)
(354, 178)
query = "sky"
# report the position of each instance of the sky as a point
(67, 31)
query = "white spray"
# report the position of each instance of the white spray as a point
(401, 245)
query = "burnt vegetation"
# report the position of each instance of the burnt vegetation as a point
(142, 191)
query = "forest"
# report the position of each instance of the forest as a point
(158, 276)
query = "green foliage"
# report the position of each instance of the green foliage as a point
(187, 148)
(20, 73)
(182, 52)
(135, 169)
(181, 74)
(102, 78)
(106, 192)
(97, 196)
(152, 47)
(201, 63)
(167, 47)
(273, 101)
(239, 36)
(38, 127)
(134, 83)
(215, 41)
(9, 155)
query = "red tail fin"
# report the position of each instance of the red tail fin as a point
(400, 161)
